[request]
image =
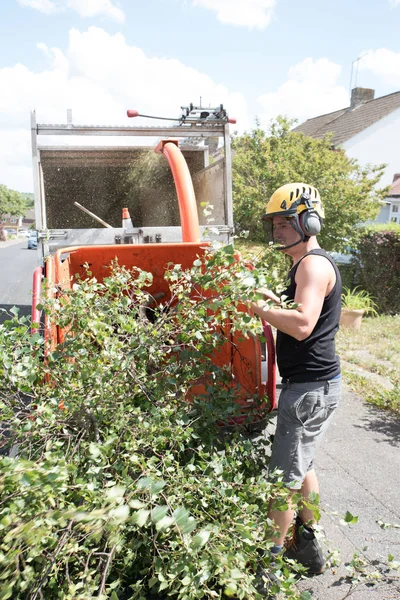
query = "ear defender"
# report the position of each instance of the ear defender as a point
(310, 222)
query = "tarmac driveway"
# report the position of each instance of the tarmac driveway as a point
(358, 466)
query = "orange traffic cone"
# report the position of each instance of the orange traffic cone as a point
(127, 224)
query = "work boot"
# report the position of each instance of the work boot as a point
(264, 581)
(304, 548)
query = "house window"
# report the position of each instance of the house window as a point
(13, 220)
(394, 219)
(395, 208)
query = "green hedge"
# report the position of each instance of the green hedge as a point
(379, 262)
(349, 275)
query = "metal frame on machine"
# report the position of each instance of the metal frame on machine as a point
(195, 122)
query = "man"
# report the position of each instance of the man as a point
(307, 362)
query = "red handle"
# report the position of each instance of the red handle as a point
(271, 365)
(132, 113)
(36, 293)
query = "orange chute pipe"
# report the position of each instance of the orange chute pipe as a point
(184, 190)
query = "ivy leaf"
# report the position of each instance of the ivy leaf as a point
(136, 504)
(349, 518)
(200, 539)
(157, 486)
(181, 516)
(158, 513)
(117, 491)
(164, 523)
(120, 513)
(141, 517)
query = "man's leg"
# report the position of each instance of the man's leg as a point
(282, 519)
(310, 484)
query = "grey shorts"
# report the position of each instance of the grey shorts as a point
(304, 413)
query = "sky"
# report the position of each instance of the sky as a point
(259, 58)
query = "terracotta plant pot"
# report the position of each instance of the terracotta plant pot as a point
(351, 318)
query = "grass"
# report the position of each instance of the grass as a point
(375, 348)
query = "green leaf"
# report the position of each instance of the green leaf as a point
(200, 539)
(117, 491)
(141, 517)
(181, 516)
(136, 504)
(189, 526)
(349, 518)
(158, 513)
(152, 582)
(164, 523)
(144, 483)
(120, 513)
(157, 486)
(94, 450)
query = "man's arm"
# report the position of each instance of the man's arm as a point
(315, 278)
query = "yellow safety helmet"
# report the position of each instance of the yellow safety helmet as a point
(299, 202)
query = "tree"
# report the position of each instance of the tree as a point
(263, 161)
(11, 202)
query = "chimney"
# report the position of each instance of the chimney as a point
(396, 177)
(361, 95)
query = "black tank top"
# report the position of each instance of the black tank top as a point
(312, 359)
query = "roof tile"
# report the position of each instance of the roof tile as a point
(348, 122)
(395, 188)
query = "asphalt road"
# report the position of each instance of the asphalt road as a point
(17, 264)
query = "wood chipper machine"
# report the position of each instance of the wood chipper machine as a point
(163, 176)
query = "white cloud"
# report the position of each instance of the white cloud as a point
(84, 8)
(311, 89)
(44, 6)
(383, 63)
(244, 13)
(91, 8)
(99, 76)
(394, 2)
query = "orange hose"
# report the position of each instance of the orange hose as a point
(184, 190)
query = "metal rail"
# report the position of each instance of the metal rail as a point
(205, 130)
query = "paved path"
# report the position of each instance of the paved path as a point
(359, 471)
(17, 264)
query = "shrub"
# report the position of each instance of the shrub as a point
(116, 486)
(379, 264)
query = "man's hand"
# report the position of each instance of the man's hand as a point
(269, 295)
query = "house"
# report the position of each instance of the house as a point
(29, 219)
(15, 223)
(11, 223)
(368, 129)
(390, 212)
